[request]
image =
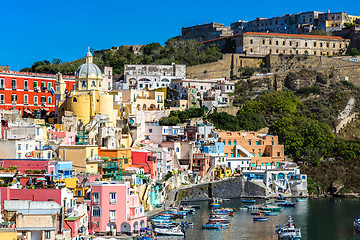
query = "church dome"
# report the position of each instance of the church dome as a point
(88, 69)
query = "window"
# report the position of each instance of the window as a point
(272, 142)
(249, 142)
(93, 84)
(305, 44)
(232, 155)
(49, 100)
(177, 149)
(26, 85)
(284, 43)
(13, 83)
(253, 154)
(270, 42)
(112, 215)
(35, 85)
(47, 234)
(314, 44)
(113, 197)
(2, 83)
(277, 42)
(150, 130)
(83, 84)
(96, 211)
(14, 98)
(257, 142)
(96, 198)
(229, 142)
(35, 99)
(263, 41)
(234, 142)
(2, 98)
(78, 193)
(37, 131)
(49, 85)
(43, 100)
(27, 147)
(278, 154)
(251, 41)
(259, 154)
(19, 147)
(26, 99)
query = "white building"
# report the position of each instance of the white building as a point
(152, 76)
(158, 134)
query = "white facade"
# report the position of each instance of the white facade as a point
(152, 76)
(17, 149)
(158, 134)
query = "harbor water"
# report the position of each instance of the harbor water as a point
(327, 218)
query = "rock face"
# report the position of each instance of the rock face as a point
(336, 186)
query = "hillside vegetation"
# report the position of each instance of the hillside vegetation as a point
(176, 51)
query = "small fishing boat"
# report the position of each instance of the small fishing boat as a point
(218, 220)
(243, 208)
(256, 213)
(226, 199)
(176, 231)
(271, 208)
(301, 199)
(252, 207)
(215, 203)
(249, 201)
(271, 214)
(211, 226)
(287, 204)
(357, 223)
(288, 231)
(260, 219)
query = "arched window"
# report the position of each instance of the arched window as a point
(251, 50)
(93, 84)
(99, 83)
(83, 84)
(96, 211)
(74, 99)
(177, 149)
(251, 41)
(305, 44)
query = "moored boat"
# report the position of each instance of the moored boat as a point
(249, 201)
(271, 208)
(271, 214)
(260, 219)
(176, 231)
(301, 199)
(357, 223)
(288, 231)
(211, 226)
(287, 204)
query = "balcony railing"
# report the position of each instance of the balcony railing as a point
(112, 219)
(96, 201)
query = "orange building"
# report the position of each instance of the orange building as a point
(264, 149)
(121, 156)
(200, 164)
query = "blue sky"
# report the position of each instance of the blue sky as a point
(38, 30)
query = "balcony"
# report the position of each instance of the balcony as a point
(112, 201)
(112, 219)
(96, 201)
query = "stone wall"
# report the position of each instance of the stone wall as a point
(231, 188)
(226, 67)
(336, 68)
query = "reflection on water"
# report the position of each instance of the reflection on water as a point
(318, 219)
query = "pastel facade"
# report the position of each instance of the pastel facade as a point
(264, 150)
(146, 160)
(200, 164)
(84, 157)
(156, 133)
(89, 99)
(115, 208)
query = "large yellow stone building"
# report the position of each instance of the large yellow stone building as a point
(87, 99)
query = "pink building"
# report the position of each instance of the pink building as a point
(27, 164)
(63, 196)
(145, 159)
(67, 138)
(115, 208)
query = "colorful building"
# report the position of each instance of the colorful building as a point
(200, 164)
(265, 151)
(31, 93)
(145, 159)
(115, 208)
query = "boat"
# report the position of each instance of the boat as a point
(357, 223)
(257, 213)
(249, 201)
(218, 220)
(176, 231)
(271, 214)
(260, 219)
(243, 208)
(301, 199)
(270, 208)
(226, 199)
(211, 226)
(288, 231)
(252, 207)
(287, 204)
(215, 203)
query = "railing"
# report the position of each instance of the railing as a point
(96, 201)
(112, 219)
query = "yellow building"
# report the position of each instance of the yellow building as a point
(88, 98)
(8, 234)
(353, 18)
(222, 172)
(84, 157)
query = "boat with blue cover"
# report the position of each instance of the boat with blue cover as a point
(249, 201)
(287, 204)
(301, 199)
(211, 226)
(260, 219)
(271, 214)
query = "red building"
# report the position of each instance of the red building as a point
(30, 92)
(145, 159)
